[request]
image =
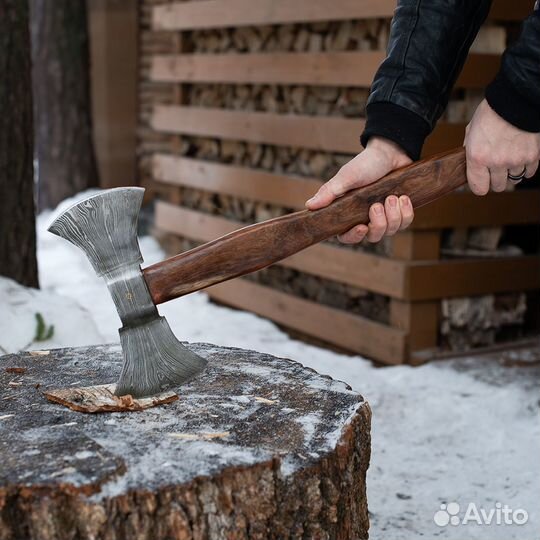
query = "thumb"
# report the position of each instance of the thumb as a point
(342, 182)
(354, 174)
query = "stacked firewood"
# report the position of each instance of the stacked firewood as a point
(464, 321)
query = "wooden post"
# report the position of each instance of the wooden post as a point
(255, 447)
(113, 58)
(419, 319)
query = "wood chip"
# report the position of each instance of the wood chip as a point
(264, 400)
(4, 416)
(39, 353)
(203, 436)
(101, 398)
(18, 370)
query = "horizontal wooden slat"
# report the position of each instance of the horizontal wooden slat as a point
(327, 68)
(464, 209)
(475, 277)
(223, 13)
(327, 133)
(378, 274)
(411, 281)
(340, 328)
(516, 10)
(288, 191)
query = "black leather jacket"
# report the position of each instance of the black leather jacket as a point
(429, 42)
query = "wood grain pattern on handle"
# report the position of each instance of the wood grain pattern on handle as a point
(256, 246)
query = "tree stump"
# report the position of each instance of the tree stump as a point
(257, 447)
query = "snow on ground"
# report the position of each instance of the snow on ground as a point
(445, 432)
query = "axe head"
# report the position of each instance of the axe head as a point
(104, 226)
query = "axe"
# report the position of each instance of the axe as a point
(104, 226)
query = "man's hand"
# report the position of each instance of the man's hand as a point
(380, 157)
(495, 149)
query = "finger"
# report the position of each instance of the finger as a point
(531, 169)
(407, 211)
(517, 171)
(377, 223)
(499, 179)
(322, 198)
(355, 235)
(478, 177)
(393, 215)
(331, 190)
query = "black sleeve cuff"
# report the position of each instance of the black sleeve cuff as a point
(508, 103)
(398, 124)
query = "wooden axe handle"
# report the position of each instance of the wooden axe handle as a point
(257, 246)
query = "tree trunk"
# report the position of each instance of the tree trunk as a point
(62, 107)
(17, 221)
(256, 447)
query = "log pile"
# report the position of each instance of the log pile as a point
(319, 101)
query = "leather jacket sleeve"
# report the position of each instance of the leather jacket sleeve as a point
(515, 92)
(429, 42)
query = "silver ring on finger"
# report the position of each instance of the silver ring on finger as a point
(517, 179)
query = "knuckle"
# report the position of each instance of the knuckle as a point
(476, 155)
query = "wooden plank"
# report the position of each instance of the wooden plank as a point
(453, 278)
(420, 320)
(414, 281)
(363, 270)
(113, 28)
(349, 68)
(517, 10)
(463, 208)
(416, 245)
(332, 134)
(223, 13)
(288, 191)
(338, 327)
(467, 210)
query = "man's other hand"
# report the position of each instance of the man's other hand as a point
(380, 157)
(495, 149)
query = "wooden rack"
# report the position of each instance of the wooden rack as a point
(412, 275)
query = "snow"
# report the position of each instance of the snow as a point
(460, 430)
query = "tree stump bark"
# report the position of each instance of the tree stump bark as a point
(257, 447)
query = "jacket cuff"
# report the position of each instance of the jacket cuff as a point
(508, 103)
(398, 124)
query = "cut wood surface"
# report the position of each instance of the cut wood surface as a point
(256, 447)
(101, 398)
(221, 13)
(331, 134)
(348, 68)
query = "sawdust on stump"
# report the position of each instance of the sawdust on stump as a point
(101, 398)
(257, 447)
